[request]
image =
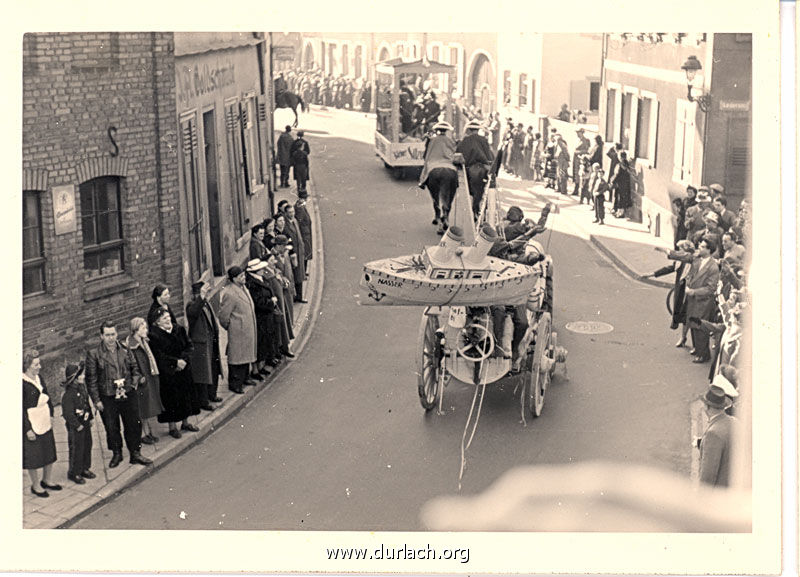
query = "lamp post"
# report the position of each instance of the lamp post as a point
(690, 67)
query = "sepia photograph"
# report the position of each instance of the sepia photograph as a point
(500, 298)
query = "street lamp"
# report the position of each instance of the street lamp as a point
(690, 67)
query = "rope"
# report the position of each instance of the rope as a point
(465, 444)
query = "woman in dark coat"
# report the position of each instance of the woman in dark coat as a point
(38, 442)
(173, 351)
(257, 247)
(621, 185)
(284, 332)
(149, 392)
(160, 297)
(269, 233)
(265, 303)
(304, 223)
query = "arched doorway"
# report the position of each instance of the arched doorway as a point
(309, 57)
(482, 95)
(384, 54)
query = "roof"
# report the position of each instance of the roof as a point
(198, 42)
(424, 66)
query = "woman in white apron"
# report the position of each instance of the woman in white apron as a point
(38, 443)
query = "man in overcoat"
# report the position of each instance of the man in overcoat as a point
(303, 219)
(298, 156)
(701, 286)
(715, 446)
(299, 257)
(285, 141)
(112, 377)
(237, 315)
(204, 334)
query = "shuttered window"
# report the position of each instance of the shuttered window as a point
(523, 90)
(647, 129)
(684, 142)
(611, 115)
(236, 163)
(33, 279)
(198, 257)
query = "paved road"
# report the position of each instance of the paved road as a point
(340, 442)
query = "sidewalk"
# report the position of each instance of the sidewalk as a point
(627, 244)
(74, 501)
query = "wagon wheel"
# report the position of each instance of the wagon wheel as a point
(547, 303)
(429, 362)
(553, 344)
(536, 386)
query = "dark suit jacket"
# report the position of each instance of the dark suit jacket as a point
(715, 451)
(204, 334)
(704, 278)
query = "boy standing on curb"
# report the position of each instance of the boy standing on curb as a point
(78, 417)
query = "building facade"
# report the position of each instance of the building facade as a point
(676, 141)
(145, 159)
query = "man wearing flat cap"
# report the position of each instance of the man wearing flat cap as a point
(478, 159)
(715, 446)
(204, 334)
(285, 141)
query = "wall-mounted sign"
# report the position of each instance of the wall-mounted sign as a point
(283, 53)
(740, 105)
(64, 208)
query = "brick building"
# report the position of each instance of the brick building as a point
(115, 189)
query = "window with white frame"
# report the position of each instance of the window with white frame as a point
(684, 141)
(523, 90)
(627, 129)
(647, 128)
(611, 115)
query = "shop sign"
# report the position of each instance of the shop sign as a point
(283, 53)
(734, 105)
(64, 208)
(194, 81)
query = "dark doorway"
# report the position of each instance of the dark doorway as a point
(212, 187)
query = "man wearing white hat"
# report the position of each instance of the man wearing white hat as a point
(477, 158)
(439, 173)
(715, 446)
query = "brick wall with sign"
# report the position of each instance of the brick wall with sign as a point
(98, 124)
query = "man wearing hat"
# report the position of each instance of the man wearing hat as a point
(265, 304)
(701, 286)
(711, 231)
(237, 315)
(439, 173)
(285, 141)
(716, 189)
(695, 214)
(715, 446)
(581, 149)
(298, 156)
(478, 158)
(494, 129)
(204, 333)
(597, 188)
(78, 419)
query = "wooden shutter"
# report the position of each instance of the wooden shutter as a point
(264, 139)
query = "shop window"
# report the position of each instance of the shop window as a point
(198, 259)
(506, 86)
(101, 221)
(523, 90)
(33, 279)
(238, 182)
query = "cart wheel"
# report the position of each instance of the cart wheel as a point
(397, 172)
(539, 379)
(429, 362)
(547, 304)
(553, 344)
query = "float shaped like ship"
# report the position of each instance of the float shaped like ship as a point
(449, 274)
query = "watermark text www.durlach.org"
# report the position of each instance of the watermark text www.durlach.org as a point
(404, 553)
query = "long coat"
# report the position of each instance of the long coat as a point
(148, 392)
(258, 249)
(42, 450)
(304, 222)
(703, 277)
(298, 271)
(266, 321)
(284, 266)
(715, 451)
(177, 386)
(285, 141)
(204, 334)
(237, 315)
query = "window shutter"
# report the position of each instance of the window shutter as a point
(680, 128)
(655, 109)
(264, 139)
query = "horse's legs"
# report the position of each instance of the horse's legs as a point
(295, 116)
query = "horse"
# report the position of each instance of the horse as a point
(287, 99)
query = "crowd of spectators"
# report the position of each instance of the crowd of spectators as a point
(316, 87)
(166, 372)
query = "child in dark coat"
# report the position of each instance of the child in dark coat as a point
(77, 415)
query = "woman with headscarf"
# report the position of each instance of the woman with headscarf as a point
(38, 442)
(172, 350)
(621, 185)
(149, 392)
(161, 298)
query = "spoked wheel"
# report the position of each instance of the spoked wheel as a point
(539, 379)
(429, 362)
